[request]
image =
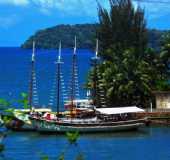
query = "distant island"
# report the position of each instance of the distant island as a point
(49, 38)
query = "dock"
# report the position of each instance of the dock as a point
(157, 116)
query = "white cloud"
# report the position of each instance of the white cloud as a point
(46, 6)
(85, 7)
(15, 2)
(71, 7)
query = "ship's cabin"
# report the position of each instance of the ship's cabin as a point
(80, 104)
(118, 113)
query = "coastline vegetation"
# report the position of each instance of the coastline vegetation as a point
(130, 70)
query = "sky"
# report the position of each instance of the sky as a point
(20, 19)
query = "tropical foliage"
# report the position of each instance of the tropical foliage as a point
(24, 100)
(130, 70)
(4, 104)
(7, 108)
(72, 137)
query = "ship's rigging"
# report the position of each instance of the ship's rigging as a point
(33, 100)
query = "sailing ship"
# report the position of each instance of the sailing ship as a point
(95, 120)
(103, 120)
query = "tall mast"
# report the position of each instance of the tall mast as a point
(30, 95)
(95, 77)
(97, 48)
(58, 78)
(73, 75)
(58, 84)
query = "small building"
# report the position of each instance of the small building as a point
(162, 99)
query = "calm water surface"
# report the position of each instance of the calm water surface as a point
(145, 144)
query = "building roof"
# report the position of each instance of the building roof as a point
(119, 110)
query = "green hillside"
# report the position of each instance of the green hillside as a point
(86, 33)
(50, 37)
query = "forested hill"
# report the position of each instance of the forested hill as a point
(50, 37)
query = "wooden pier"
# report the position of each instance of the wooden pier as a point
(157, 116)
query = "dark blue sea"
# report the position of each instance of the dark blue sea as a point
(15, 71)
(146, 144)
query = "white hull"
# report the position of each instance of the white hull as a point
(48, 126)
